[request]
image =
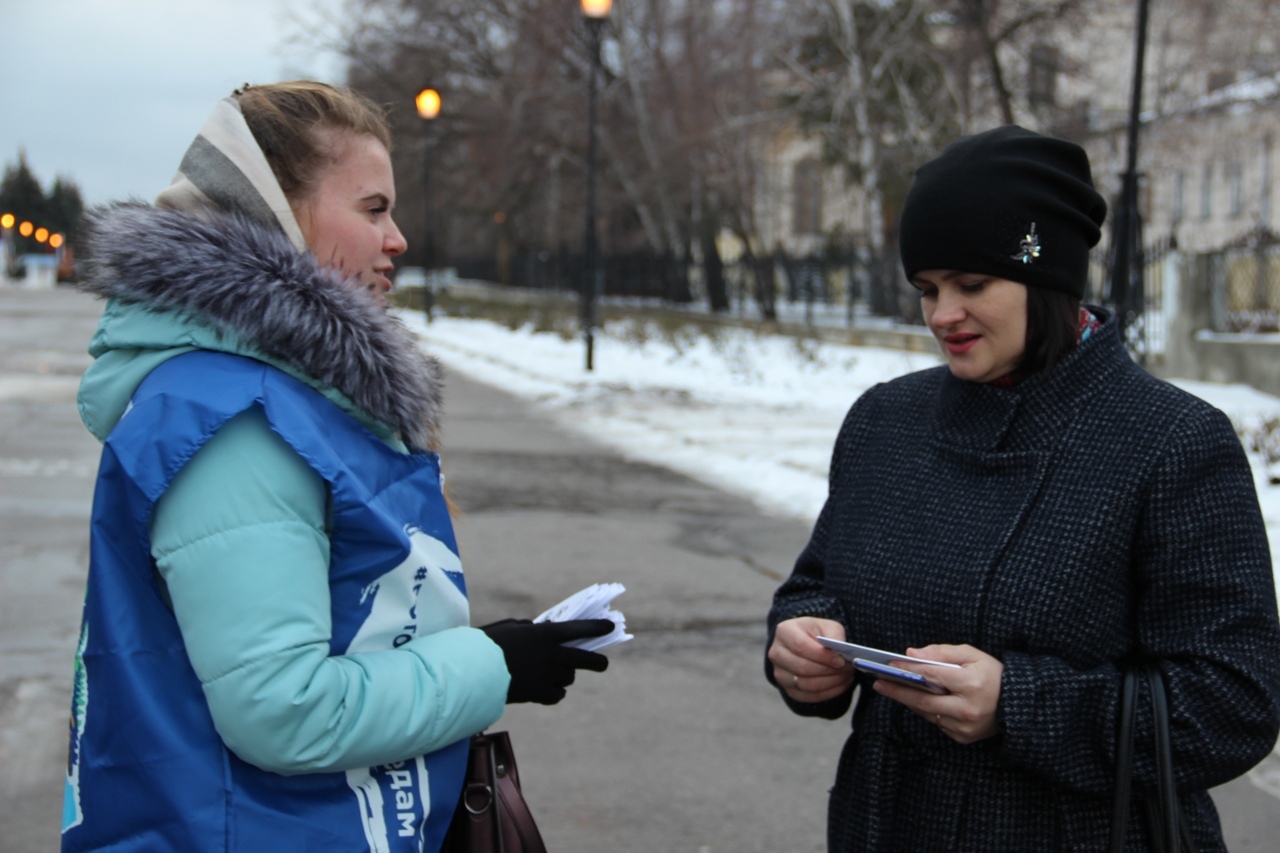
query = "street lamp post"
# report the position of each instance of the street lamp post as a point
(1128, 267)
(428, 104)
(594, 12)
(7, 221)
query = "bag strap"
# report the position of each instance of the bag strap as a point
(1173, 823)
(480, 796)
(514, 807)
(1124, 763)
(1169, 831)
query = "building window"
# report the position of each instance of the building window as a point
(1042, 76)
(1235, 188)
(1206, 191)
(1219, 79)
(807, 189)
(1179, 196)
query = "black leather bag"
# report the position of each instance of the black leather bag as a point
(492, 816)
(1168, 829)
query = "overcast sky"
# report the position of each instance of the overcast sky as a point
(110, 92)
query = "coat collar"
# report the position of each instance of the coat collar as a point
(246, 280)
(978, 417)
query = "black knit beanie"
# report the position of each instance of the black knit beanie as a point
(1008, 203)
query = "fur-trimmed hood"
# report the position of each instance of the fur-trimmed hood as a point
(246, 282)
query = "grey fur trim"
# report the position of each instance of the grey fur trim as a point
(247, 280)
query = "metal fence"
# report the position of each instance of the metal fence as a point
(1241, 281)
(1148, 319)
(821, 288)
(1244, 282)
(1156, 273)
(643, 275)
(847, 286)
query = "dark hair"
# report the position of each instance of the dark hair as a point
(286, 119)
(1053, 321)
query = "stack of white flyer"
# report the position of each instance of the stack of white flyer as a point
(592, 603)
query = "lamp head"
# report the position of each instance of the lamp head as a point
(596, 8)
(428, 102)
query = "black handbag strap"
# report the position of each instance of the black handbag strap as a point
(1124, 763)
(1169, 831)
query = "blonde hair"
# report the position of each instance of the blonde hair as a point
(288, 121)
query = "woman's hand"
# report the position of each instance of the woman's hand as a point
(541, 666)
(968, 713)
(807, 670)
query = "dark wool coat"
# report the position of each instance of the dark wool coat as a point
(1083, 519)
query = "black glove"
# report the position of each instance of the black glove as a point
(541, 668)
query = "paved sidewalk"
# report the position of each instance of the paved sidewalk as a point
(680, 746)
(47, 465)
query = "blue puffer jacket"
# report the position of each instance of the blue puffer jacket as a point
(242, 554)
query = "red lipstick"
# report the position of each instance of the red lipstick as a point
(960, 343)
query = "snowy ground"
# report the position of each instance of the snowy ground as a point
(755, 415)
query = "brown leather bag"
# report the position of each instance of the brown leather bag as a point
(492, 816)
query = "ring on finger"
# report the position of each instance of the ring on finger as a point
(795, 682)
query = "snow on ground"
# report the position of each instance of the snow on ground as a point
(755, 415)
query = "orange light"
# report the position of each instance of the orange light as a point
(499, 217)
(42, 234)
(55, 240)
(7, 220)
(596, 8)
(428, 102)
(25, 229)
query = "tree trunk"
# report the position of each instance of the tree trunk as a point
(675, 272)
(766, 285)
(712, 266)
(868, 146)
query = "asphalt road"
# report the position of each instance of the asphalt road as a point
(680, 746)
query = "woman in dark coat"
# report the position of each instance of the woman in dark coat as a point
(1043, 513)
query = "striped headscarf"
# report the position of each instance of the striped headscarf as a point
(225, 169)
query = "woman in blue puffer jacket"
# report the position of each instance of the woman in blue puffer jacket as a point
(275, 652)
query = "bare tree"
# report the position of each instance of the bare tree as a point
(681, 108)
(868, 82)
(993, 46)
